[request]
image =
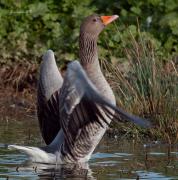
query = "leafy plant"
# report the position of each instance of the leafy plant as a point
(28, 28)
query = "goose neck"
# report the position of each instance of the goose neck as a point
(88, 51)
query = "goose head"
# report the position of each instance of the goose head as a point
(94, 24)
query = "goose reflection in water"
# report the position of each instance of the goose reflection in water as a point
(60, 171)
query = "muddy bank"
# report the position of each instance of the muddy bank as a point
(16, 105)
(18, 90)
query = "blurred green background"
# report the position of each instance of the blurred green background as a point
(29, 28)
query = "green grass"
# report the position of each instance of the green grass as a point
(146, 86)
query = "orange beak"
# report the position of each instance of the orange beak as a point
(108, 19)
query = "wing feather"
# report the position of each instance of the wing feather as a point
(81, 105)
(50, 82)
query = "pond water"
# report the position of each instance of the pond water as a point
(113, 159)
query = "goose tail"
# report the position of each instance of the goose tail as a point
(35, 154)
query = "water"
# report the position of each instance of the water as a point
(113, 159)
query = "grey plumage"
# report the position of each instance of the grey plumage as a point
(80, 131)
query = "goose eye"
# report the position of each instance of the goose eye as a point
(94, 20)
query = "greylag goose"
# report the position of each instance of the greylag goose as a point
(75, 112)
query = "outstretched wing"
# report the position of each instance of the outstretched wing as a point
(49, 84)
(81, 104)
